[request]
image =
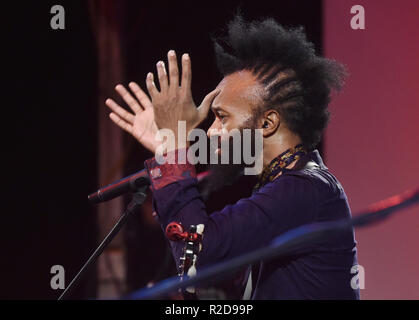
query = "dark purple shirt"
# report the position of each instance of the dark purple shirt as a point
(306, 194)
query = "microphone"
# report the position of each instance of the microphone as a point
(127, 184)
(118, 188)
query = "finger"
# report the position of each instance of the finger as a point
(141, 95)
(151, 86)
(121, 112)
(162, 74)
(203, 109)
(121, 123)
(173, 69)
(186, 72)
(128, 98)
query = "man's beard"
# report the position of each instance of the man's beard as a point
(221, 175)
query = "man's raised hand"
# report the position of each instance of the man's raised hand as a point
(141, 124)
(174, 101)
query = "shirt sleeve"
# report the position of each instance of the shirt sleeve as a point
(249, 224)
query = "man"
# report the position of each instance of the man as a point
(273, 81)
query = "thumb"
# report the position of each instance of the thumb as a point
(206, 104)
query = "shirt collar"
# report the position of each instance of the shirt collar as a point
(313, 156)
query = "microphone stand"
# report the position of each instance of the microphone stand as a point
(137, 200)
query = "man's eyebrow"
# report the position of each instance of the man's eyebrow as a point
(216, 108)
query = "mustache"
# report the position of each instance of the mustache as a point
(221, 174)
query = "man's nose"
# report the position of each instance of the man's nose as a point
(215, 129)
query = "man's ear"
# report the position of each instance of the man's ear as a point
(271, 121)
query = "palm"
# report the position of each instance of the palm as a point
(145, 129)
(141, 124)
(173, 102)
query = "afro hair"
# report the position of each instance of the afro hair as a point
(298, 82)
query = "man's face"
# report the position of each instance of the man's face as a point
(234, 106)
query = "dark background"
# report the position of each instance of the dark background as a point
(50, 141)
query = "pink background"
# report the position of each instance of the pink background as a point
(372, 143)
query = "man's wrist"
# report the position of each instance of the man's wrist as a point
(171, 167)
(172, 147)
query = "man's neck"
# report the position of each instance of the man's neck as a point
(274, 146)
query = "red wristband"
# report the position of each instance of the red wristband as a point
(175, 168)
